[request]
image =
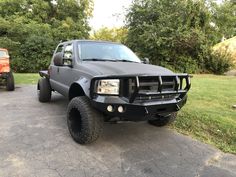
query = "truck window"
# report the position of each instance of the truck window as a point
(68, 51)
(59, 48)
(3, 53)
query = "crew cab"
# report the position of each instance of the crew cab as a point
(106, 81)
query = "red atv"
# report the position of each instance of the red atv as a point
(6, 76)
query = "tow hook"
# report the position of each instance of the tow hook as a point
(146, 110)
(177, 108)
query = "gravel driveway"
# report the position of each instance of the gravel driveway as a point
(34, 142)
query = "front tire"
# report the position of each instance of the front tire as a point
(85, 124)
(161, 121)
(44, 90)
(10, 84)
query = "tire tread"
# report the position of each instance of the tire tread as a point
(91, 120)
(45, 91)
(10, 84)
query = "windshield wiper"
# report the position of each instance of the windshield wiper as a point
(112, 60)
(97, 59)
(124, 60)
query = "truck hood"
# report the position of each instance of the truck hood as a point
(96, 68)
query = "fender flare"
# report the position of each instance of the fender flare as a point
(80, 87)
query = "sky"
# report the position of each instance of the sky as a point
(109, 13)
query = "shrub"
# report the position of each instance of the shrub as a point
(219, 62)
(182, 64)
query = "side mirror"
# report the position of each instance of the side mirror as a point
(67, 59)
(67, 62)
(146, 61)
(58, 59)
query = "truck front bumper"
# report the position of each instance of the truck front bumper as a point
(142, 103)
(3, 75)
(137, 111)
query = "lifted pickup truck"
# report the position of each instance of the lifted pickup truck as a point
(6, 76)
(106, 81)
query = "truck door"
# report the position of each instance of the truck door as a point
(61, 77)
(54, 71)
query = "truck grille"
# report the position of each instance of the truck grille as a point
(148, 86)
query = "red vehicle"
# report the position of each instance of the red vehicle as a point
(6, 76)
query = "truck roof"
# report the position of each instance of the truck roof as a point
(3, 49)
(85, 40)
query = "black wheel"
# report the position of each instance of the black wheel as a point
(84, 122)
(10, 84)
(44, 90)
(163, 120)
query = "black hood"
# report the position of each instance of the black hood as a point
(96, 68)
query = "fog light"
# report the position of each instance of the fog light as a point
(120, 109)
(110, 108)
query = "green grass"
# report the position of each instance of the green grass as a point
(28, 78)
(208, 115)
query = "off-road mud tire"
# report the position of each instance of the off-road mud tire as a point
(10, 84)
(44, 90)
(85, 124)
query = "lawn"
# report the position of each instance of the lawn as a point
(26, 78)
(208, 115)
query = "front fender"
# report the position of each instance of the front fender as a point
(80, 87)
(85, 84)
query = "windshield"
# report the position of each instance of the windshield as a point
(106, 52)
(3, 54)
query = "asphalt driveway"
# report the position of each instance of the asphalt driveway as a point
(35, 142)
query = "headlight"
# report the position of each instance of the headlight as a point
(108, 86)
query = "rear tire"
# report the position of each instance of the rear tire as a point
(161, 121)
(10, 84)
(85, 124)
(44, 90)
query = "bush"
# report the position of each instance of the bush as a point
(183, 64)
(219, 62)
(186, 64)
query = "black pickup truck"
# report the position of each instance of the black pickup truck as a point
(106, 81)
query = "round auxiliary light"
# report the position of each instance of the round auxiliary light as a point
(110, 108)
(121, 109)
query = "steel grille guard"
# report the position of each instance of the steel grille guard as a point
(178, 83)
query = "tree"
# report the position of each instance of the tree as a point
(170, 32)
(110, 34)
(224, 19)
(31, 29)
